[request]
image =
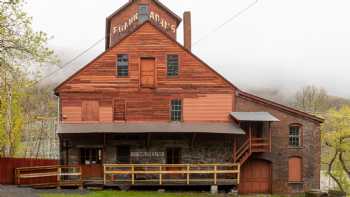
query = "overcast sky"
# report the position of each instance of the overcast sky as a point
(283, 44)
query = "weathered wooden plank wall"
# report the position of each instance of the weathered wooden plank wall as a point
(8, 166)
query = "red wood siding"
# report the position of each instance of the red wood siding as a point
(295, 169)
(8, 166)
(98, 81)
(209, 107)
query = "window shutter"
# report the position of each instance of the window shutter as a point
(295, 169)
(90, 111)
(119, 110)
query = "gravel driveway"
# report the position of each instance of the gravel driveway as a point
(14, 191)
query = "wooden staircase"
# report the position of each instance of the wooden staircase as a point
(250, 146)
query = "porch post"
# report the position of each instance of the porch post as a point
(250, 137)
(234, 148)
(270, 137)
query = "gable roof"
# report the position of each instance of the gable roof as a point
(239, 92)
(109, 18)
(126, 36)
(280, 107)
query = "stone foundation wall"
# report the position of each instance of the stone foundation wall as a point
(206, 148)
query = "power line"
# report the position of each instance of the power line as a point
(226, 22)
(97, 42)
(71, 61)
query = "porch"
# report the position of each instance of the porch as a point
(131, 175)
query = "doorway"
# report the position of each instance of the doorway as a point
(147, 73)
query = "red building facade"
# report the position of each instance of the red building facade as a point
(149, 100)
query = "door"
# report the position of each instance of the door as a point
(147, 74)
(91, 163)
(255, 177)
(173, 156)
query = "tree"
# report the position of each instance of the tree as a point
(21, 51)
(20, 46)
(312, 99)
(336, 138)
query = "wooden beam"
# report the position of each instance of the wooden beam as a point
(194, 135)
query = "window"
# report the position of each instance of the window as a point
(119, 109)
(295, 169)
(173, 65)
(89, 156)
(295, 136)
(123, 65)
(173, 156)
(176, 110)
(90, 111)
(143, 13)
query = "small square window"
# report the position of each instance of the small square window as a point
(173, 65)
(123, 65)
(176, 110)
(143, 13)
(294, 136)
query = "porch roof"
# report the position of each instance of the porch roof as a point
(254, 116)
(219, 128)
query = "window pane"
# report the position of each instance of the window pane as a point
(173, 65)
(294, 136)
(176, 110)
(123, 65)
(143, 13)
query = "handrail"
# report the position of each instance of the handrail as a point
(61, 172)
(160, 170)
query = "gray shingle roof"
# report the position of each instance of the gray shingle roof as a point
(254, 116)
(220, 128)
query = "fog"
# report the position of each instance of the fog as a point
(284, 44)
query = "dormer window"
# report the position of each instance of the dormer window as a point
(143, 13)
(122, 65)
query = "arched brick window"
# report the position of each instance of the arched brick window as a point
(295, 169)
(295, 136)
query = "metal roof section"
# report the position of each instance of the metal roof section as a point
(218, 128)
(254, 116)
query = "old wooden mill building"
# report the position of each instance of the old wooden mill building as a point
(147, 111)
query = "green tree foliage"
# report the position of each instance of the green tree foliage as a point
(20, 46)
(336, 138)
(21, 51)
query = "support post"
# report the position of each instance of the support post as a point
(133, 175)
(160, 175)
(58, 177)
(104, 175)
(250, 137)
(270, 137)
(215, 174)
(188, 174)
(234, 148)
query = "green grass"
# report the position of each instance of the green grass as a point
(130, 194)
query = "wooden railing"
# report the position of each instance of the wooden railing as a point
(260, 144)
(176, 174)
(46, 176)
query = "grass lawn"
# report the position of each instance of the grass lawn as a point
(131, 194)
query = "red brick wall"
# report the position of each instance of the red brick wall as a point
(310, 151)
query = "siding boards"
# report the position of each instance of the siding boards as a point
(211, 107)
(98, 81)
